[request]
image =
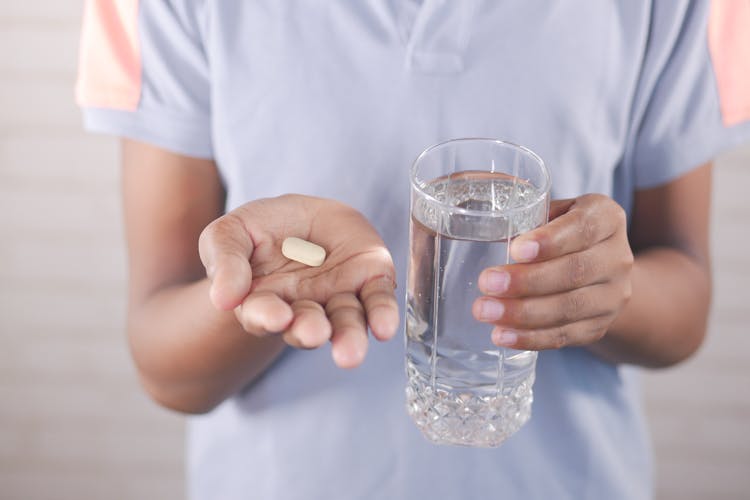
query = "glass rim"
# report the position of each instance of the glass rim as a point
(544, 189)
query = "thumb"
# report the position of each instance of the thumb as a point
(225, 247)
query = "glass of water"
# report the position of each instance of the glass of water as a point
(469, 199)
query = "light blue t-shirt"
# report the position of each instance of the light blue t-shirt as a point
(336, 99)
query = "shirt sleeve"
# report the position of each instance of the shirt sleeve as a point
(143, 74)
(680, 122)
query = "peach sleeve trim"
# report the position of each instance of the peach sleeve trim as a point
(729, 44)
(109, 60)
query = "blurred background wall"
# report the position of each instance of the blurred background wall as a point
(73, 421)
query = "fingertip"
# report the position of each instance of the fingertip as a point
(476, 309)
(310, 325)
(383, 321)
(278, 316)
(350, 355)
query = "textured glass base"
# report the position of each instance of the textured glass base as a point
(466, 419)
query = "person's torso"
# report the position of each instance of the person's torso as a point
(336, 99)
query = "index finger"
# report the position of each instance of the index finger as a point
(585, 221)
(225, 247)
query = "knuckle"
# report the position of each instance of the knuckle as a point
(594, 199)
(574, 306)
(213, 227)
(308, 306)
(623, 278)
(599, 333)
(528, 340)
(380, 299)
(627, 292)
(578, 269)
(559, 337)
(348, 325)
(601, 204)
(346, 317)
(226, 224)
(222, 230)
(578, 216)
(599, 329)
(383, 282)
(547, 236)
(342, 302)
(289, 197)
(589, 227)
(582, 224)
(628, 259)
(619, 214)
(544, 234)
(517, 311)
(624, 294)
(521, 282)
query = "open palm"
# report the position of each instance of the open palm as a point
(308, 306)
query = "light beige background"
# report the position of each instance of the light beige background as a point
(73, 421)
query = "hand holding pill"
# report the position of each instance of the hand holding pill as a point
(308, 269)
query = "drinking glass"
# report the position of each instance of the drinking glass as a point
(469, 199)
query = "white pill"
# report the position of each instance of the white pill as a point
(303, 251)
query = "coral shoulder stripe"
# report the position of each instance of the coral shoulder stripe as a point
(109, 61)
(729, 44)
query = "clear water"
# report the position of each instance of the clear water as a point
(461, 388)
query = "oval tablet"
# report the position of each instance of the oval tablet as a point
(303, 251)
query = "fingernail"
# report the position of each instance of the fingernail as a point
(504, 337)
(525, 250)
(496, 282)
(491, 310)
